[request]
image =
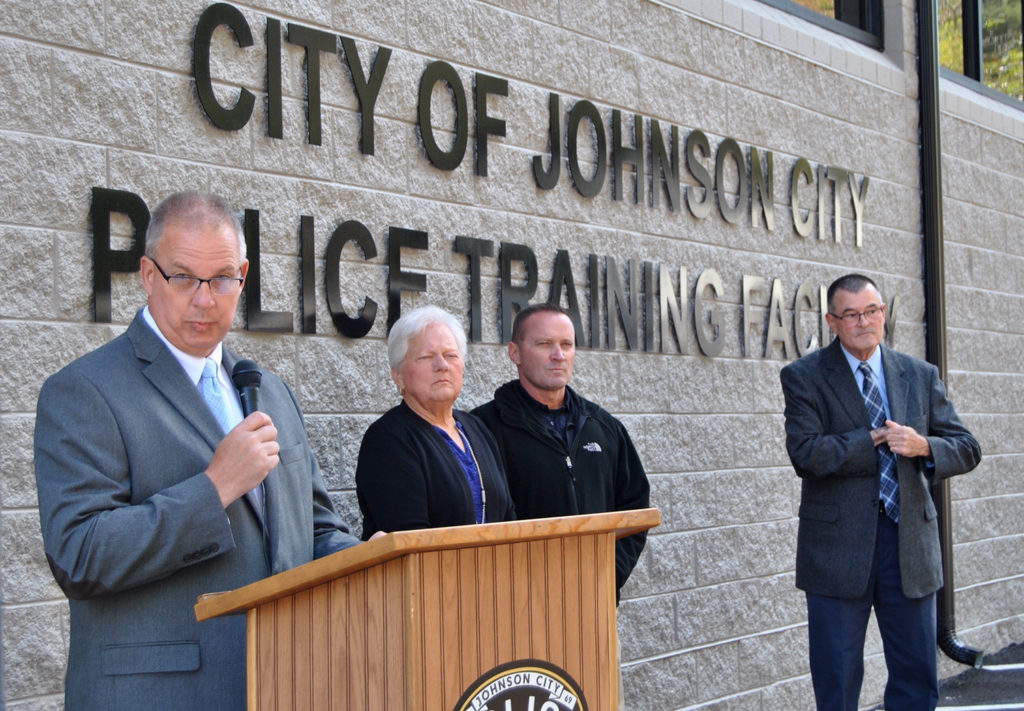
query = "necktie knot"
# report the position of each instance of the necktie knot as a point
(210, 369)
(872, 396)
(209, 387)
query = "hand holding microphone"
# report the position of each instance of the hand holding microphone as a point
(249, 451)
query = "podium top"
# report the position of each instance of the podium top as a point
(399, 543)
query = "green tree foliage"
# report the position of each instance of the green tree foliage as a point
(1003, 54)
(951, 35)
(822, 7)
(1002, 43)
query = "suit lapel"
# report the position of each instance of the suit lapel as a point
(897, 386)
(166, 375)
(840, 378)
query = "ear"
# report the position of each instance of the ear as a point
(513, 352)
(396, 378)
(147, 272)
(245, 271)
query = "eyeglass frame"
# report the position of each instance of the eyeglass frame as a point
(199, 281)
(852, 317)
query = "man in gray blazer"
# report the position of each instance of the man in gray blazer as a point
(867, 441)
(148, 499)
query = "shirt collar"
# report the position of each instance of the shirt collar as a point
(875, 361)
(193, 365)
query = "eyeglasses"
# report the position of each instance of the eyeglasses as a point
(186, 284)
(870, 314)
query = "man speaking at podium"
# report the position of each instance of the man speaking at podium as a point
(154, 489)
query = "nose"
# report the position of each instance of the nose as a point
(440, 362)
(203, 297)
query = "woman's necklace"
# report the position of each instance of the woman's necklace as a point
(481, 516)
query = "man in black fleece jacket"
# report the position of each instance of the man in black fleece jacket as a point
(563, 454)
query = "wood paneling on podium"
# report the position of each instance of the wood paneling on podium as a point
(411, 620)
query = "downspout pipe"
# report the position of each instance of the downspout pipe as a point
(935, 306)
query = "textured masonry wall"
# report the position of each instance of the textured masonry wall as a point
(100, 94)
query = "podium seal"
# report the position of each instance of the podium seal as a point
(523, 685)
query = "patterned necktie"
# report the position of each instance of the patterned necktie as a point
(209, 387)
(889, 488)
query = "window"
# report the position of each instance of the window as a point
(984, 40)
(858, 19)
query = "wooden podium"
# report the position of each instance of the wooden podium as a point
(416, 620)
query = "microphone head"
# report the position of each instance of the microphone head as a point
(246, 374)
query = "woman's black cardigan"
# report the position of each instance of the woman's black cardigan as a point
(407, 476)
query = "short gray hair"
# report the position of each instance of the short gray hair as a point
(207, 209)
(413, 324)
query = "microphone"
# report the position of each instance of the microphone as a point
(246, 376)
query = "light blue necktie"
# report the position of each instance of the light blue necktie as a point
(209, 387)
(889, 487)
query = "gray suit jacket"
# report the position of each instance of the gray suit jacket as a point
(134, 530)
(829, 443)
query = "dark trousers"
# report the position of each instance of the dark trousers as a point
(836, 627)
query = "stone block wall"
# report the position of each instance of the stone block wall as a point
(101, 95)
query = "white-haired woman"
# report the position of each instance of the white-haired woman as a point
(424, 464)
